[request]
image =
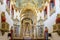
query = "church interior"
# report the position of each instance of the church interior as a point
(29, 19)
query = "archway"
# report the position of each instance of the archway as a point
(28, 19)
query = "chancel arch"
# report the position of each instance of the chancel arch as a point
(28, 18)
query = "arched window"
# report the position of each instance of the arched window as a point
(52, 4)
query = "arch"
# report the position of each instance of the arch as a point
(28, 7)
(28, 19)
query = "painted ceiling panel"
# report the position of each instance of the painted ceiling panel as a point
(33, 2)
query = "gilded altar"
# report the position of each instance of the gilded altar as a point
(4, 24)
(28, 22)
(56, 27)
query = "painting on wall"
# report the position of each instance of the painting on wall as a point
(52, 7)
(45, 13)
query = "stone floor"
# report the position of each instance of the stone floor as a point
(55, 36)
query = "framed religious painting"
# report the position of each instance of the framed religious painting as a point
(45, 13)
(52, 7)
